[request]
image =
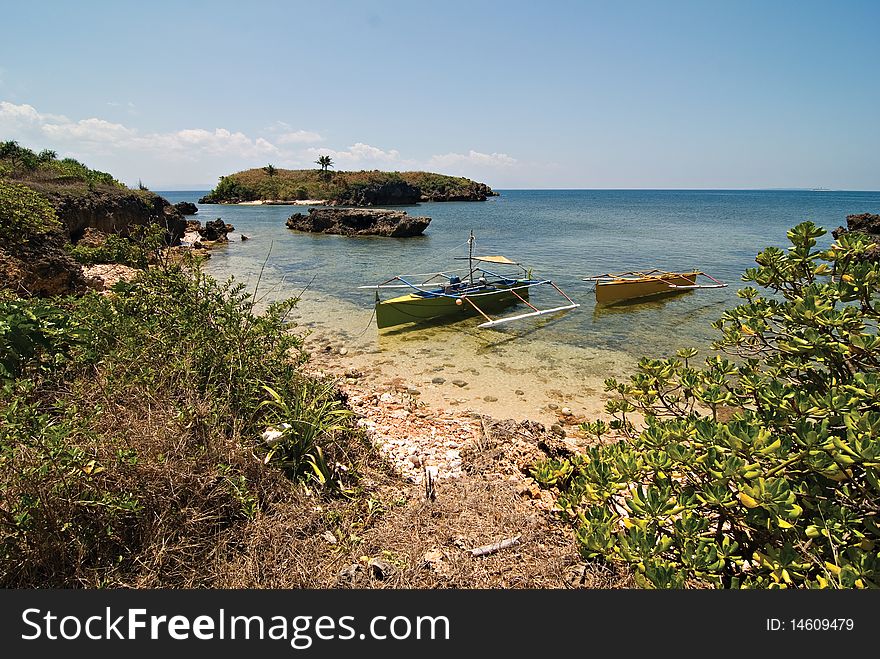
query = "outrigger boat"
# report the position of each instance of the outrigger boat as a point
(612, 288)
(447, 295)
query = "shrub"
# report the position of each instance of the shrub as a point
(758, 472)
(24, 214)
(136, 251)
(34, 336)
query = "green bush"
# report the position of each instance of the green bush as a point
(136, 251)
(24, 214)
(762, 471)
(34, 336)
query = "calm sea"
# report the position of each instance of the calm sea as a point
(562, 235)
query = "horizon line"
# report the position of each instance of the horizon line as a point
(763, 189)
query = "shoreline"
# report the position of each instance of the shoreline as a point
(422, 410)
(280, 202)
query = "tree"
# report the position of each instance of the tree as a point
(324, 162)
(758, 472)
(270, 170)
(18, 155)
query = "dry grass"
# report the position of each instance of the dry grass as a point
(392, 536)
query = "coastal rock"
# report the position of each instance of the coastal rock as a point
(473, 192)
(92, 238)
(866, 224)
(359, 222)
(102, 276)
(390, 193)
(216, 230)
(119, 212)
(40, 266)
(186, 208)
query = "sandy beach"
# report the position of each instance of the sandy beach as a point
(280, 202)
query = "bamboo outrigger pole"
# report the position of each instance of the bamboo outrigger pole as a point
(471, 258)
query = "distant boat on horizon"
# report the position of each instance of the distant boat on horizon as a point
(820, 190)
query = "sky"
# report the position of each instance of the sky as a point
(738, 94)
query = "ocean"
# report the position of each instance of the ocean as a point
(562, 235)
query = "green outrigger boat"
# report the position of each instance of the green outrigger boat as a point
(448, 296)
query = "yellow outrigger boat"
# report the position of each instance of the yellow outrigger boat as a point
(612, 288)
(450, 296)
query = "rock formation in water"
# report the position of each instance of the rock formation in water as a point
(866, 224)
(387, 193)
(186, 208)
(359, 222)
(215, 230)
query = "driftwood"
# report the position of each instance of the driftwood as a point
(430, 487)
(485, 550)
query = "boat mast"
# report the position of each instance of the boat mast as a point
(471, 258)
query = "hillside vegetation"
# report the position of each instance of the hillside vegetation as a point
(349, 188)
(46, 170)
(47, 205)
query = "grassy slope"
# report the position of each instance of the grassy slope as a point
(290, 184)
(53, 177)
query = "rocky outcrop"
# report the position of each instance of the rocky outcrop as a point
(359, 222)
(392, 193)
(103, 276)
(92, 238)
(119, 212)
(866, 223)
(215, 230)
(186, 208)
(474, 192)
(40, 266)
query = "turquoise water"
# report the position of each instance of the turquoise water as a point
(563, 235)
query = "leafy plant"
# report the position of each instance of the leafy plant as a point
(761, 471)
(137, 250)
(24, 214)
(309, 418)
(34, 336)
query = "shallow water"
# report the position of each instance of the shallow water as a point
(561, 235)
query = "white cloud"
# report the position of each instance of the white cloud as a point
(88, 130)
(472, 157)
(360, 154)
(86, 133)
(25, 115)
(195, 142)
(298, 137)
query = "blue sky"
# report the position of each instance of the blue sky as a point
(519, 95)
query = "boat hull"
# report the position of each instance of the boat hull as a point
(621, 290)
(415, 308)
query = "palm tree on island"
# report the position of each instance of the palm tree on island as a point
(270, 170)
(324, 162)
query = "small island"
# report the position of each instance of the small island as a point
(364, 188)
